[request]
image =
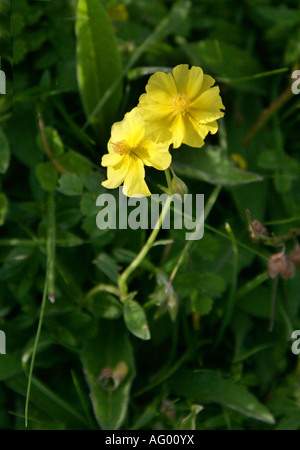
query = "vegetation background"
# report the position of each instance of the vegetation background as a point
(200, 356)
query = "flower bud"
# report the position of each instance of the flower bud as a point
(178, 186)
(111, 377)
(281, 264)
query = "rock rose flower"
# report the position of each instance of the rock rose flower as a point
(129, 150)
(181, 107)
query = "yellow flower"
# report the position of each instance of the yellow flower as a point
(129, 149)
(182, 107)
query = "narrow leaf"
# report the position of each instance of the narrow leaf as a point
(207, 387)
(4, 152)
(109, 369)
(98, 64)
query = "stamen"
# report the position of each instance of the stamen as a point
(180, 103)
(121, 147)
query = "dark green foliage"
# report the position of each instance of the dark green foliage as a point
(151, 360)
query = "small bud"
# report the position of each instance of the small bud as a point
(281, 264)
(178, 186)
(295, 256)
(111, 377)
(259, 229)
(169, 409)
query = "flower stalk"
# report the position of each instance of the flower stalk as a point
(122, 281)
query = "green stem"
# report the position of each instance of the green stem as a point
(51, 243)
(233, 288)
(102, 288)
(122, 282)
(168, 178)
(50, 265)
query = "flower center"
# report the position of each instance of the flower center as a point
(180, 103)
(121, 147)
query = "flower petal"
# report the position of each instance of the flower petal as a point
(207, 83)
(195, 133)
(188, 81)
(178, 131)
(130, 129)
(206, 108)
(212, 127)
(194, 82)
(161, 87)
(117, 174)
(152, 110)
(181, 73)
(134, 184)
(111, 159)
(155, 155)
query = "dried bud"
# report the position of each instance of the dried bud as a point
(168, 408)
(295, 256)
(281, 264)
(259, 229)
(178, 186)
(110, 377)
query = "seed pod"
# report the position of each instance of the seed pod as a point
(259, 229)
(281, 264)
(295, 256)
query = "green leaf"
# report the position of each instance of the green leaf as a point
(74, 162)
(102, 355)
(98, 64)
(88, 205)
(202, 303)
(108, 266)
(207, 387)
(206, 283)
(136, 320)
(213, 166)
(214, 56)
(54, 142)
(4, 152)
(279, 15)
(105, 305)
(70, 184)
(47, 176)
(3, 208)
(10, 365)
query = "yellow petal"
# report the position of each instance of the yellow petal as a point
(206, 108)
(152, 110)
(161, 87)
(155, 155)
(130, 129)
(111, 159)
(180, 74)
(194, 134)
(207, 83)
(212, 127)
(134, 184)
(117, 174)
(178, 131)
(188, 81)
(194, 82)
